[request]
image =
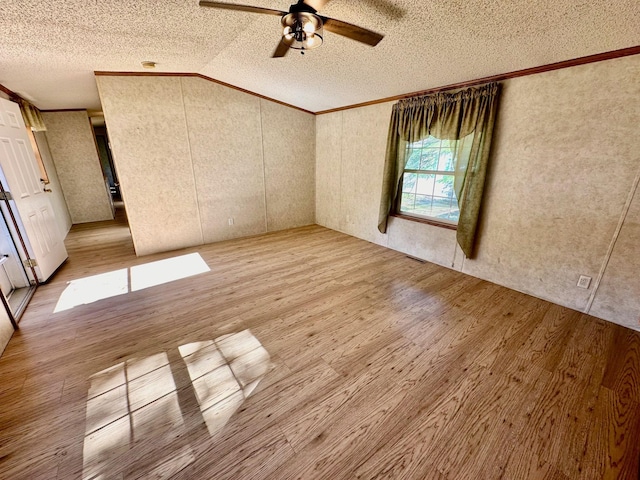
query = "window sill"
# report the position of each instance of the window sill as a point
(434, 223)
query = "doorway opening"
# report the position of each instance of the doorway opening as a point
(106, 158)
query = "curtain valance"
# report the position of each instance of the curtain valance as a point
(31, 116)
(446, 116)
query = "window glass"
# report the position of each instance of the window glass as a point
(428, 181)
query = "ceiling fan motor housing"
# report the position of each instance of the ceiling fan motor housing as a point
(302, 30)
(302, 27)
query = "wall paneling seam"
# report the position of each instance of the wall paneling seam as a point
(193, 171)
(315, 171)
(340, 175)
(455, 252)
(614, 239)
(264, 175)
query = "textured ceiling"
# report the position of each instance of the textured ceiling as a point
(49, 49)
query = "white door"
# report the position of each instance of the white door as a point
(22, 176)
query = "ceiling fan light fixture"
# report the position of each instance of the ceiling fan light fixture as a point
(302, 30)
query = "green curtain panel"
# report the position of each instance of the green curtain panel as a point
(448, 116)
(31, 116)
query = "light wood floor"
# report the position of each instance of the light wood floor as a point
(309, 354)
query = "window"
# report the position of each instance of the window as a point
(428, 179)
(423, 189)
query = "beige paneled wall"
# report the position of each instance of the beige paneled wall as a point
(289, 166)
(350, 158)
(329, 169)
(565, 157)
(151, 152)
(74, 153)
(619, 290)
(226, 151)
(194, 156)
(364, 135)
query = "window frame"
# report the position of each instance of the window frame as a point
(417, 217)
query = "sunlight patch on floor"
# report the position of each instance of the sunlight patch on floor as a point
(224, 372)
(125, 404)
(88, 290)
(137, 410)
(94, 288)
(165, 271)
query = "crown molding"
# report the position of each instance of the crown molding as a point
(599, 57)
(197, 75)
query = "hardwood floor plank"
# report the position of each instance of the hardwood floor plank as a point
(615, 424)
(305, 425)
(553, 434)
(547, 341)
(408, 454)
(345, 438)
(518, 322)
(488, 422)
(256, 458)
(623, 367)
(308, 354)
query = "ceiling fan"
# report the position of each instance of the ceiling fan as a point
(302, 27)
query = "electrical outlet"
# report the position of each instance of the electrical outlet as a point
(230, 221)
(584, 281)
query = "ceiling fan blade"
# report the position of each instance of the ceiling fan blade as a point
(241, 8)
(281, 50)
(316, 4)
(353, 32)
